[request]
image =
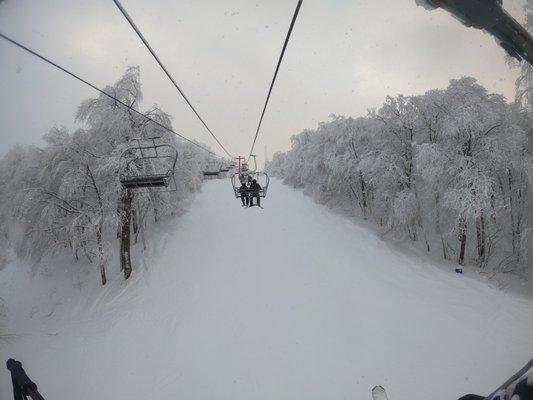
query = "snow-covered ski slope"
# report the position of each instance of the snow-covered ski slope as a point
(289, 302)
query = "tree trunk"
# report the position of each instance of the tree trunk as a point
(511, 210)
(102, 274)
(480, 235)
(413, 231)
(437, 213)
(134, 220)
(363, 193)
(462, 240)
(119, 213)
(101, 250)
(518, 228)
(125, 241)
(100, 229)
(143, 239)
(120, 206)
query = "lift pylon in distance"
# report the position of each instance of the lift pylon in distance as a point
(149, 164)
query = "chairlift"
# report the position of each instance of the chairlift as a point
(149, 164)
(211, 173)
(245, 175)
(212, 169)
(261, 178)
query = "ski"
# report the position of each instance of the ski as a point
(378, 393)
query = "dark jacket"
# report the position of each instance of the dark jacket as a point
(255, 188)
(243, 189)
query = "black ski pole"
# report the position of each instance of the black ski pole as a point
(22, 384)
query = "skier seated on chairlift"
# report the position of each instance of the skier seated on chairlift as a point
(254, 192)
(244, 192)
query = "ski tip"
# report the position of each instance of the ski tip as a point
(378, 393)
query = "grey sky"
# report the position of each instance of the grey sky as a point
(344, 57)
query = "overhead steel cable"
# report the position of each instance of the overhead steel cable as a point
(143, 39)
(276, 73)
(101, 91)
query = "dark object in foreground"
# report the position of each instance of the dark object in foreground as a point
(518, 387)
(490, 16)
(22, 384)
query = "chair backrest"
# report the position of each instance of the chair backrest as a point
(148, 164)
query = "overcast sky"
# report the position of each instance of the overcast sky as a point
(344, 57)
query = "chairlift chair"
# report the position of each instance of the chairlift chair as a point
(211, 169)
(245, 174)
(261, 177)
(211, 173)
(147, 164)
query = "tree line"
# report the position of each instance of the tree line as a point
(451, 169)
(66, 196)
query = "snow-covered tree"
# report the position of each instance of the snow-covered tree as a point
(67, 194)
(449, 167)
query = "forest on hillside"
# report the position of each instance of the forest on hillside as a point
(451, 169)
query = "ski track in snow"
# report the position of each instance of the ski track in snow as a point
(288, 302)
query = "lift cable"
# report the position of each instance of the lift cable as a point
(136, 29)
(101, 91)
(275, 73)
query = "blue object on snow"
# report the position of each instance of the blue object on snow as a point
(459, 270)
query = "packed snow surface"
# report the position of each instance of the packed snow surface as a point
(287, 302)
